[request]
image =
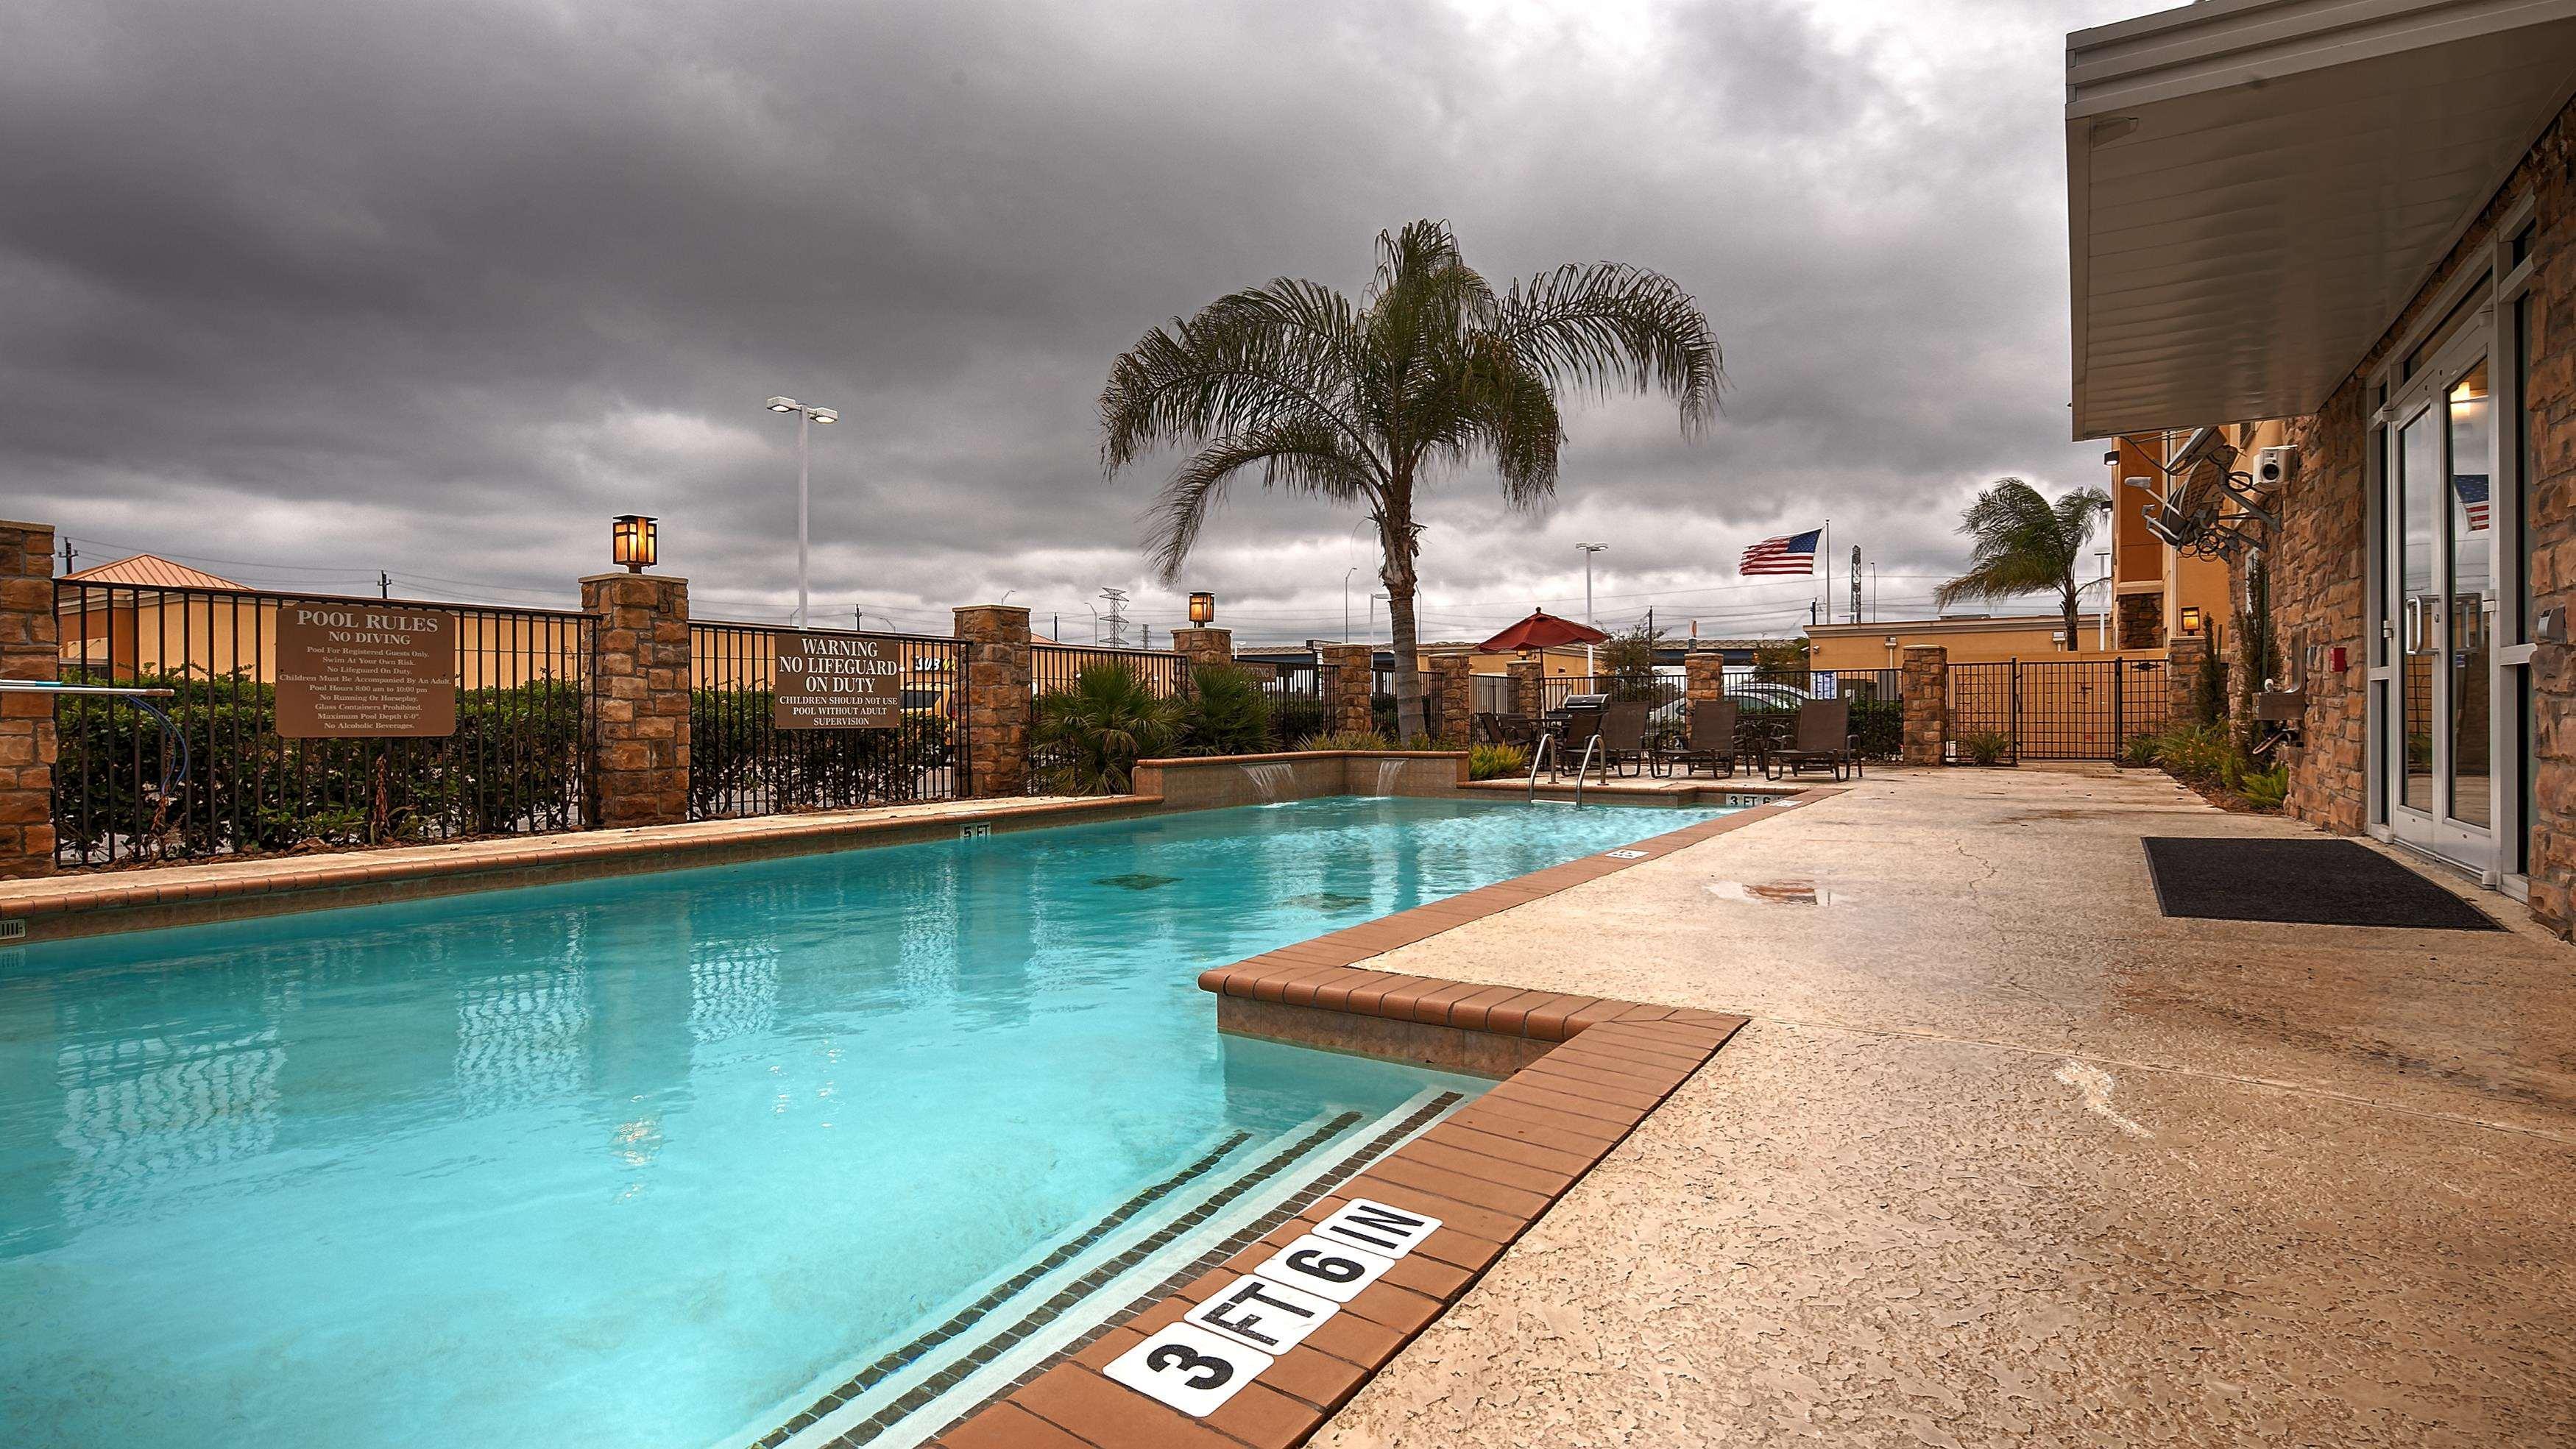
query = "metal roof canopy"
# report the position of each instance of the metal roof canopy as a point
(2256, 188)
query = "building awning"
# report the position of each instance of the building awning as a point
(2256, 187)
(149, 571)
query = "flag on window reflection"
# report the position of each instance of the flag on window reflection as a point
(2473, 497)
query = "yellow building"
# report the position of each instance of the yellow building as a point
(1984, 640)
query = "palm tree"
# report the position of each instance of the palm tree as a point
(1360, 403)
(1088, 738)
(2024, 545)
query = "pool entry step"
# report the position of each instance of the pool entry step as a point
(1208, 1208)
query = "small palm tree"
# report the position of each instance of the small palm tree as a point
(1088, 738)
(2025, 545)
(1360, 403)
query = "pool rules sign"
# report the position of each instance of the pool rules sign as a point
(347, 671)
(835, 681)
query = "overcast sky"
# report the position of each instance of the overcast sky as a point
(298, 290)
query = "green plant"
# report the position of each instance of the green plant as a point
(1357, 403)
(2138, 751)
(1496, 762)
(2209, 682)
(1225, 714)
(1087, 739)
(1628, 662)
(1345, 740)
(2266, 789)
(1986, 747)
(2025, 544)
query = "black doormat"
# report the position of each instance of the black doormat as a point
(2308, 882)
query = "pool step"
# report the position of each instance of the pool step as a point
(1066, 1292)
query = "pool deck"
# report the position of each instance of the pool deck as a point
(2006, 1157)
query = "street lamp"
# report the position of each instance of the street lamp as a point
(805, 417)
(1202, 609)
(634, 542)
(1589, 549)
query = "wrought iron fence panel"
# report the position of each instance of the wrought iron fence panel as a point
(1054, 667)
(126, 789)
(2056, 709)
(1766, 702)
(742, 763)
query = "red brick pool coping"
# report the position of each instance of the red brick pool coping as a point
(1488, 1172)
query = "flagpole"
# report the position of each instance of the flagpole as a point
(1825, 610)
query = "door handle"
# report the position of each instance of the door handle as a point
(2414, 624)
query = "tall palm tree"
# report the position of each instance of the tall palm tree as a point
(1362, 403)
(2025, 545)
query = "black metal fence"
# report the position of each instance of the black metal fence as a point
(217, 779)
(1054, 667)
(1296, 693)
(741, 763)
(2062, 709)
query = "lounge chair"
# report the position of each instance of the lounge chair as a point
(1623, 737)
(1823, 741)
(1711, 741)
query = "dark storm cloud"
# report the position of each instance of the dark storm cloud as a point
(437, 289)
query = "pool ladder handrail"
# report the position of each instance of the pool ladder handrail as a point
(1588, 747)
(1539, 756)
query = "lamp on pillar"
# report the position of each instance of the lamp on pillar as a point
(2191, 619)
(634, 542)
(1202, 609)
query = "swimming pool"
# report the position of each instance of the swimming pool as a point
(670, 1159)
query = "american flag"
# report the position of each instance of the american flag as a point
(1791, 553)
(2473, 497)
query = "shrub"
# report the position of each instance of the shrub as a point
(2139, 751)
(1087, 739)
(1345, 740)
(1497, 762)
(1986, 747)
(2267, 789)
(1226, 713)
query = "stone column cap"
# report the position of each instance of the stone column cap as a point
(621, 575)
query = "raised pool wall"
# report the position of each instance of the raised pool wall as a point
(1222, 781)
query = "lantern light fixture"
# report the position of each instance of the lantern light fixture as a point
(1202, 609)
(635, 542)
(2191, 621)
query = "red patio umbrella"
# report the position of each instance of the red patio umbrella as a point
(1541, 630)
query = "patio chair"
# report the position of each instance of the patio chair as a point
(1711, 741)
(1823, 741)
(1623, 737)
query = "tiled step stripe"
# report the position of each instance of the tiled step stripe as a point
(967, 1317)
(1235, 1242)
(921, 1395)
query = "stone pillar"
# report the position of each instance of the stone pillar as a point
(995, 723)
(27, 720)
(1453, 697)
(1927, 702)
(2182, 667)
(1346, 687)
(1204, 647)
(1703, 677)
(640, 678)
(1529, 696)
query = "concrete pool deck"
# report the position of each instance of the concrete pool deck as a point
(2007, 1157)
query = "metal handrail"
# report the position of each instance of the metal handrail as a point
(169, 727)
(1588, 746)
(1538, 756)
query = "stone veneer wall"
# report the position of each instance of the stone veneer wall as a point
(2319, 561)
(1529, 692)
(27, 745)
(640, 679)
(1926, 686)
(2140, 620)
(1453, 697)
(1346, 686)
(998, 704)
(1204, 647)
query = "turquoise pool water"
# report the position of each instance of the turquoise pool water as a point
(647, 1161)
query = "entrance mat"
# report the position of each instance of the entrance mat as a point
(2306, 882)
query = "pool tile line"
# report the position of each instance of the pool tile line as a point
(1488, 1172)
(966, 1318)
(1297, 1206)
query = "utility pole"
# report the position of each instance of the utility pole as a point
(1855, 572)
(69, 553)
(384, 584)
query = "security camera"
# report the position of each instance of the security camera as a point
(2274, 467)
(2205, 445)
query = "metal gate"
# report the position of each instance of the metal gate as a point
(2059, 709)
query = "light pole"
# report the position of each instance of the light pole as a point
(1346, 601)
(806, 417)
(1589, 549)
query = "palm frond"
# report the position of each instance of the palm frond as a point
(1296, 455)
(2022, 543)
(1608, 326)
(1249, 360)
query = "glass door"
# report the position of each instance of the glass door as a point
(2441, 596)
